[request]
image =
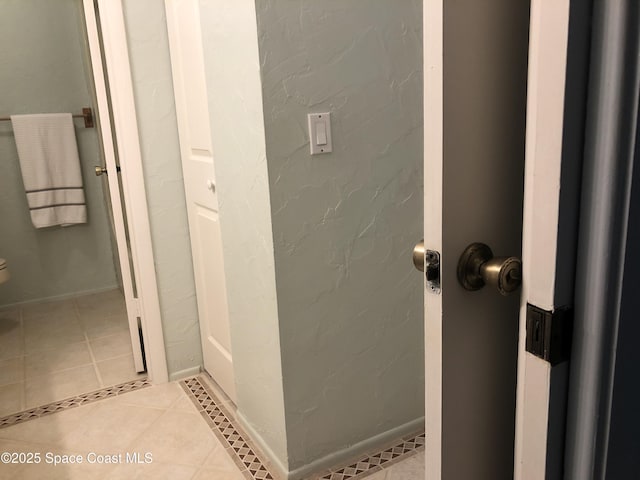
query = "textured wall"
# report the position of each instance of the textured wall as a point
(344, 224)
(153, 90)
(235, 109)
(42, 55)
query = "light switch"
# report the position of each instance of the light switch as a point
(320, 133)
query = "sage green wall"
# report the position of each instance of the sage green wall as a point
(344, 224)
(146, 29)
(43, 69)
(230, 48)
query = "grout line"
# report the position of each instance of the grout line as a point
(86, 338)
(61, 370)
(93, 361)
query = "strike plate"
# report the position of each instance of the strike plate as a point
(432, 270)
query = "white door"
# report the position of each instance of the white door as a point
(475, 72)
(183, 20)
(115, 194)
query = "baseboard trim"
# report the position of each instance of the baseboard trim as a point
(275, 465)
(187, 372)
(334, 459)
(342, 457)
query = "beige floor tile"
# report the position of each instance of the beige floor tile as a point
(210, 474)
(50, 310)
(11, 337)
(8, 315)
(65, 470)
(219, 461)
(11, 371)
(59, 385)
(44, 334)
(112, 426)
(179, 437)
(47, 361)
(153, 471)
(12, 470)
(111, 346)
(109, 299)
(184, 404)
(11, 398)
(55, 324)
(83, 471)
(379, 475)
(105, 326)
(50, 429)
(118, 370)
(157, 396)
(99, 305)
(413, 468)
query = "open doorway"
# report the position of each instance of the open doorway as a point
(65, 328)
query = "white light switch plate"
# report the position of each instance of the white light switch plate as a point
(320, 133)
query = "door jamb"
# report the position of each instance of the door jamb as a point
(120, 85)
(433, 28)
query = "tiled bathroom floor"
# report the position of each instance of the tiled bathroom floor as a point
(160, 420)
(55, 350)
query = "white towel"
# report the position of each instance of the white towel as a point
(50, 167)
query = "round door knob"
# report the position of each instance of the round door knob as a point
(100, 170)
(478, 267)
(418, 255)
(211, 186)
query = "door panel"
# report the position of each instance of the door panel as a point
(480, 162)
(185, 42)
(212, 268)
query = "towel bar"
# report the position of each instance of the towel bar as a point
(87, 115)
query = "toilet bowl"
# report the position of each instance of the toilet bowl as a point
(4, 271)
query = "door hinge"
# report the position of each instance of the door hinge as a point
(549, 333)
(134, 306)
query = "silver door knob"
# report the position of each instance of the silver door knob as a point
(100, 170)
(418, 255)
(478, 267)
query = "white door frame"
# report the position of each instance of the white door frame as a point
(548, 42)
(433, 148)
(123, 113)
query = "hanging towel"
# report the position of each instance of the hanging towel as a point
(50, 168)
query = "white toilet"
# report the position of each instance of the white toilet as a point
(4, 271)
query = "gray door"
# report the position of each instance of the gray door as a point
(475, 104)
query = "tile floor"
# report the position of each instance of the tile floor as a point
(160, 420)
(53, 350)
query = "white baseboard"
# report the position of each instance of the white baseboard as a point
(333, 459)
(187, 372)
